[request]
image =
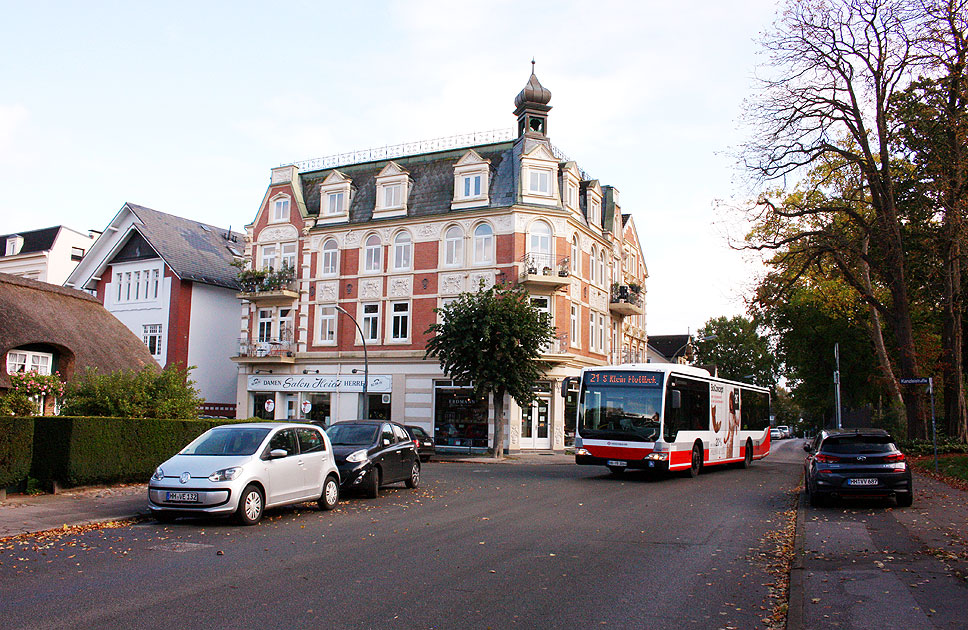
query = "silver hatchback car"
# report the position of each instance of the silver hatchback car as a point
(243, 469)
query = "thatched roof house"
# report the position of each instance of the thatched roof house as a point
(65, 329)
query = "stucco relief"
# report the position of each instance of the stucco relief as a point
(596, 300)
(327, 291)
(401, 286)
(451, 283)
(476, 279)
(371, 288)
(353, 239)
(559, 437)
(503, 224)
(428, 232)
(514, 435)
(278, 233)
(575, 286)
(561, 225)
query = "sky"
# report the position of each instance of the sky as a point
(185, 107)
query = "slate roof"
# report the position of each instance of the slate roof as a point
(74, 323)
(34, 240)
(666, 345)
(195, 251)
(433, 181)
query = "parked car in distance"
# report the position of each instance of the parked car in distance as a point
(243, 469)
(373, 453)
(776, 434)
(856, 463)
(785, 430)
(426, 446)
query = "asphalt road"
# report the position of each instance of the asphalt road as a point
(476, 546)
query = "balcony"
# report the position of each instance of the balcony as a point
(626, 299)
(270, 288)
(557, 351)
(542, 271)
(274, 350)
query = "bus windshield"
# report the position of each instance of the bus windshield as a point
(620, 406)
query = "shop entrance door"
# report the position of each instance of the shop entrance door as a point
(534, 424)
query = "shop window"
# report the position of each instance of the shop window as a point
(460, 418)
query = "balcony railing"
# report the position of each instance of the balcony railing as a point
(261, 281)
(266, 348)
(626, 299)
(545, 265)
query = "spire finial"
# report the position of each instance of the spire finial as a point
(532, 65)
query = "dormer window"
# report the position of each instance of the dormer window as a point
(14, 244)
(593, 204)
(540, 181)
(335, 196)
(539, 177)
(471, 175)
(392, 190)
(280, 210)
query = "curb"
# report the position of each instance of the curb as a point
(795, 597)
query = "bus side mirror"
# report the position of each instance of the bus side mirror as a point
(566, 385)
(676, 399)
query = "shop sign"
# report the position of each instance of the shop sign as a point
(376, 384)
(306, 406)
(270, 405)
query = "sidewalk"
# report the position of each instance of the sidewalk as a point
(25, 514)
(861, 565)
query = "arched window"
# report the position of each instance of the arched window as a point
(402, 251)
(373, 254)
(593, 265)
(453, 247)
(575, 255)
(483, 244)
(330, 257)
(601, 268)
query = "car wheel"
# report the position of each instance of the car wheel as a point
(695, 466)
(905, 500)
(251, 505)
(616, 470)
(330, 495)
(414, 480)
(372, 485)
(748, 459)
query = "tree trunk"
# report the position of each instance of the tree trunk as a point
(499, 424)
(953, 362)
(877, 336)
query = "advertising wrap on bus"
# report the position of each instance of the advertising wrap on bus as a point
(668, 417)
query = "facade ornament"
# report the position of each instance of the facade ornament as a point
(451, 283)
(278, 233)
(371, 288)
(401, 286)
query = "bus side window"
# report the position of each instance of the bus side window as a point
(673, 415)
(676, 399)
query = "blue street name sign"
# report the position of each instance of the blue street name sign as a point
(915, 381)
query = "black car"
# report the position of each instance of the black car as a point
(856, 463)
(426, 446)
(374, 453)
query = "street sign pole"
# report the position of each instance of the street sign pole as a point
(837, 383)
(934, 429)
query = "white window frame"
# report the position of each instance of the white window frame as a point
(287, 255)
(334, 202)
(370, 321)
(29, 361)
(280, 210)
(264, 325)
(329, 260)
(153, 332)
(453, 246)
(539, 181)
(326, 314)
(575, 325)
(399, 321)
(575, 255)
(591, 331)
(402, 251)
(267, 256)
(472, 186)
(483, 244)
(373, 254)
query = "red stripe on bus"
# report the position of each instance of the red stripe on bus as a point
(617, 452)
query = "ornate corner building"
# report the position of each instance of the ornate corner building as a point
(350, 255)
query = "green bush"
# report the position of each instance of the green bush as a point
(16, 449)
(926, 447)
(83, 451)
(16, 403)
(167, 394)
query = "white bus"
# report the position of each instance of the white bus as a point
(668, 417)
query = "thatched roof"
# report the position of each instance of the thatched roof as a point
(70, 323)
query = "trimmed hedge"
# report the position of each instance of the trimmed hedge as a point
(16, 449)
(77, 451)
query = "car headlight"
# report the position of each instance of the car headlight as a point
(357, 456)
(159, 474)
(226, 474)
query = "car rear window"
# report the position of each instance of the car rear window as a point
(857, 444)
(417, 431)
(347, 434)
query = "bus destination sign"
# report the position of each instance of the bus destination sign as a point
(625, 379)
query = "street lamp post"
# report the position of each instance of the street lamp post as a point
(365, 413)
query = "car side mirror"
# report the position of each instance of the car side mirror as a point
(565, 385)
(278, 453)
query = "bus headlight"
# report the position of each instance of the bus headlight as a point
(657, 457)
(582, 451)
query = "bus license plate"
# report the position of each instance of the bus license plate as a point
(862, 482)
(616, 462)
(182, 497)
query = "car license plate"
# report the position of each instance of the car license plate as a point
(616, 462)
(182, 497)
(862, 482)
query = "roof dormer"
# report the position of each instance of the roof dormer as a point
(471, 181)
(335, 196)
(539, 176)
(593, 204)
(392, 190)
(570, 187)
(14, 244)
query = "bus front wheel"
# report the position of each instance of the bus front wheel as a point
(696, 464)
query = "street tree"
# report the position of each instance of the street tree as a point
(737, 349)
(835, 70)
(493, 338)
